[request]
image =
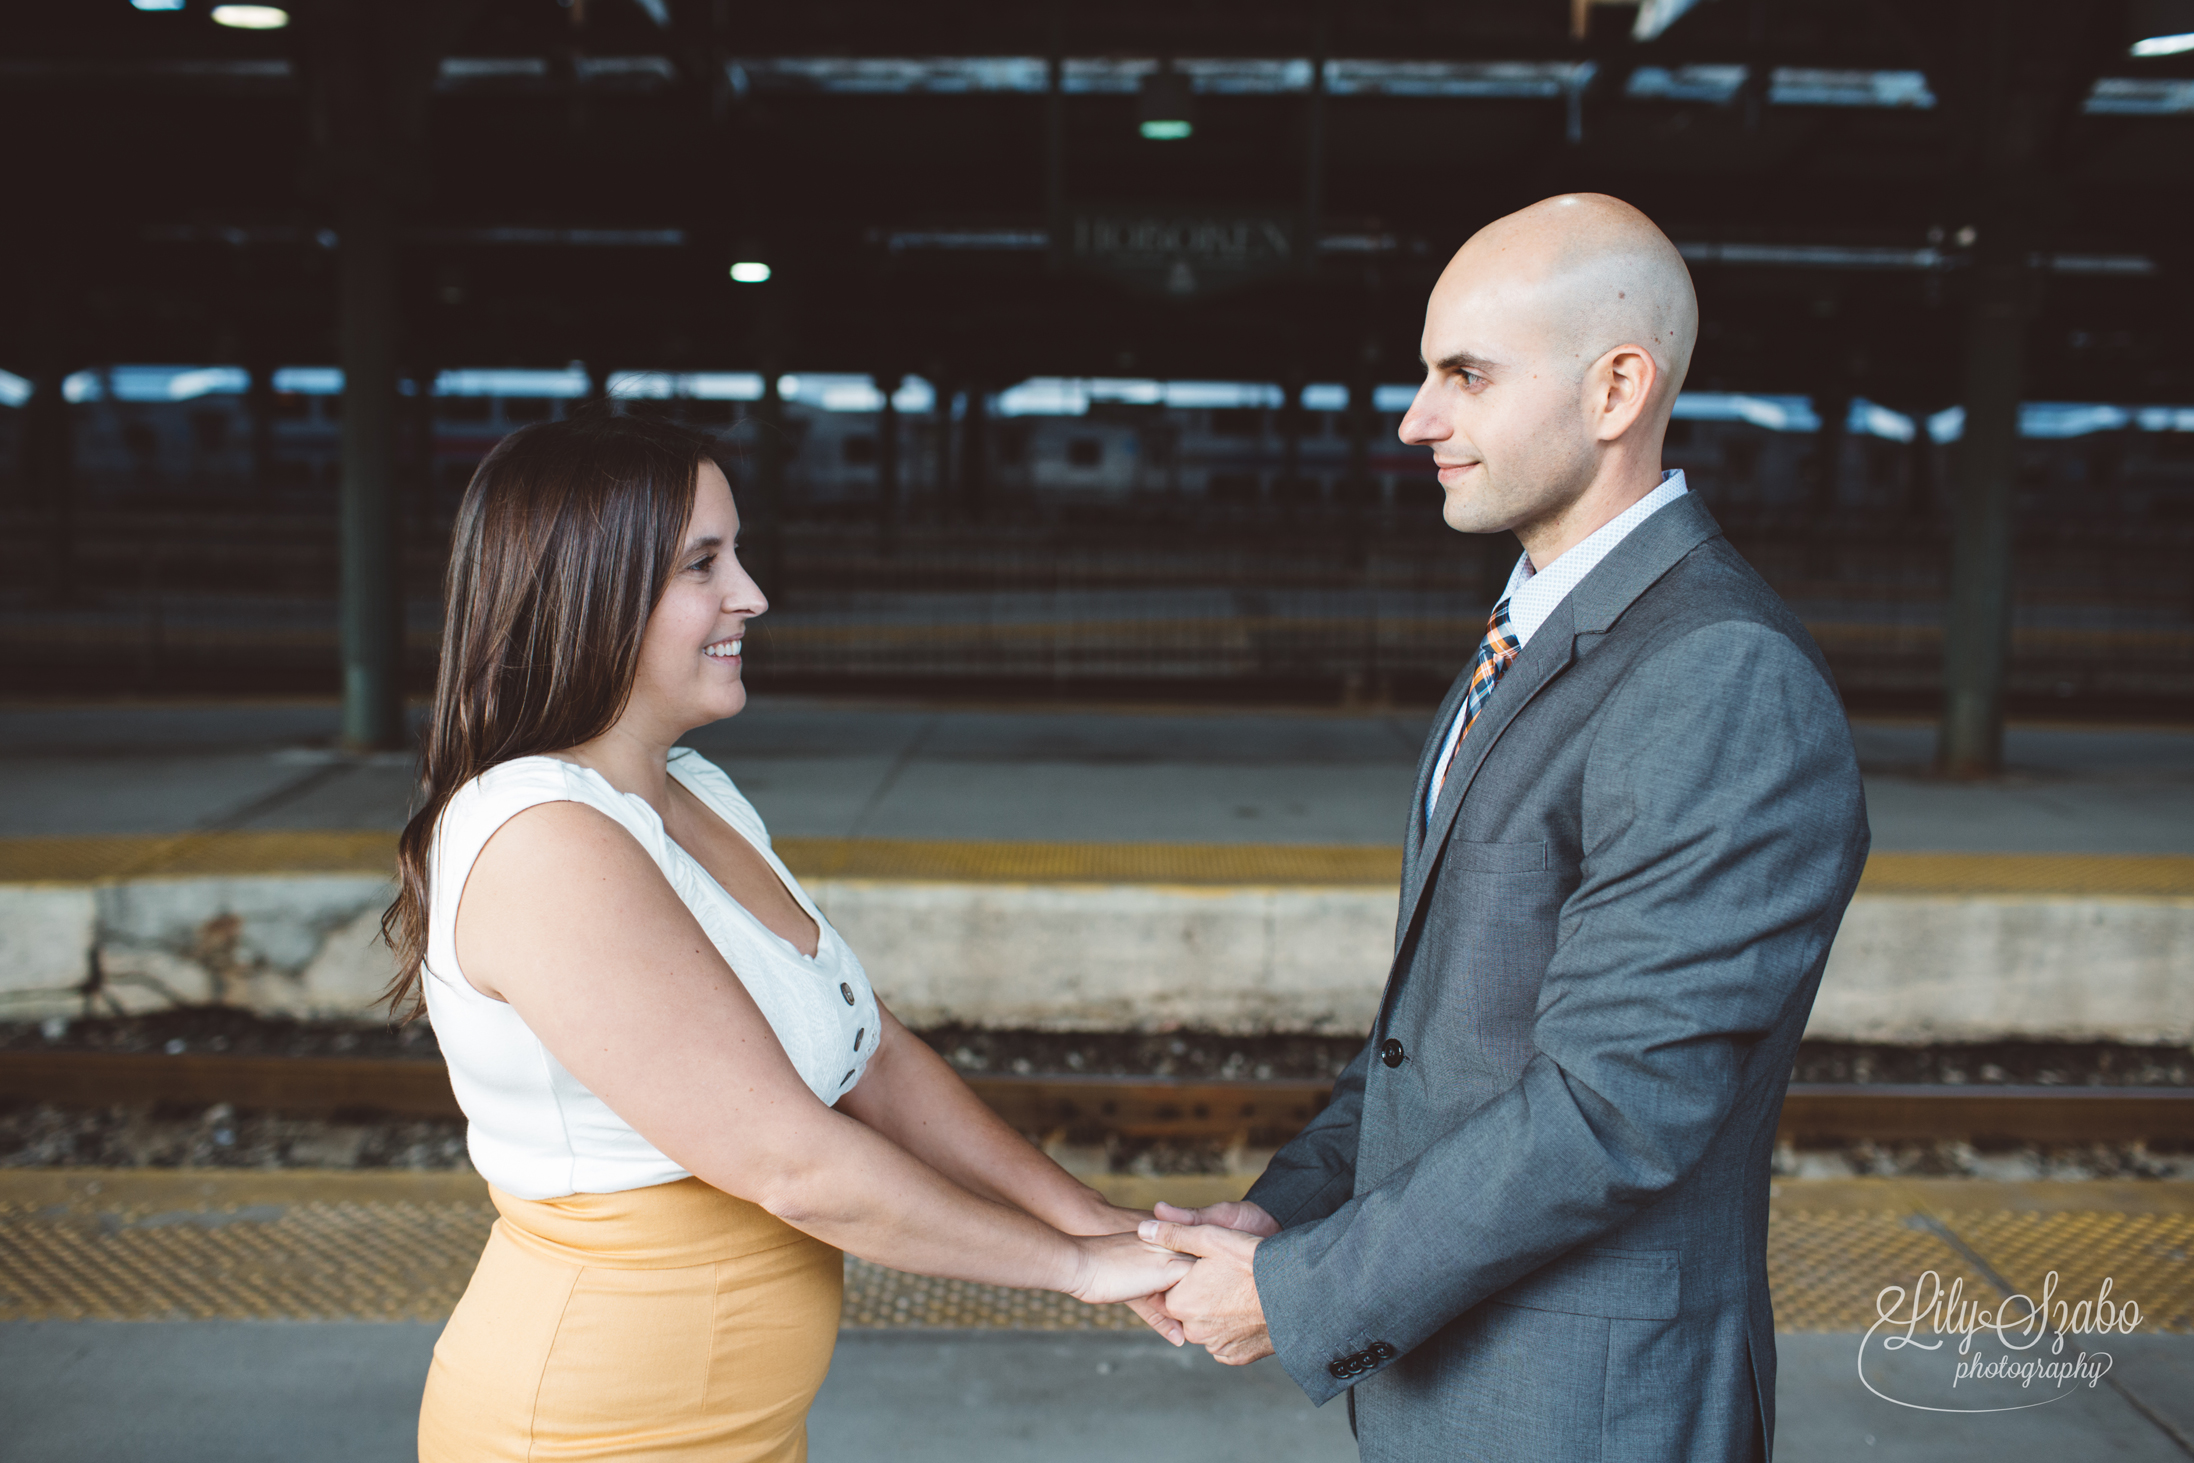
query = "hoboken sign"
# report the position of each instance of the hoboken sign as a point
(1184, 255)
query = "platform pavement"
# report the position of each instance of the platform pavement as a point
(249, 1314)
(347, 1392)
(870, 770)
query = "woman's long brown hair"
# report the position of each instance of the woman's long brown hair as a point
(566, 537)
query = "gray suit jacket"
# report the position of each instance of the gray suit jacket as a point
(1532, 1223)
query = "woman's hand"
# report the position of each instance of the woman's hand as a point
(1120, 1267)
(1101, 1216)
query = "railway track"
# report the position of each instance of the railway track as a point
(1088, 1108)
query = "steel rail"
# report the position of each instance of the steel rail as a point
(1091, 1108)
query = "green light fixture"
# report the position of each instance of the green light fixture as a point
(1164, 108)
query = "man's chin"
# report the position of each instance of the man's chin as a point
(1465, 514)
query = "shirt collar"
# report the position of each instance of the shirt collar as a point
(1532, 593)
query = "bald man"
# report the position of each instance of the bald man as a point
(1532, 1224)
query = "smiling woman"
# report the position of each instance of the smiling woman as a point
(565, 539)
(677, 1080)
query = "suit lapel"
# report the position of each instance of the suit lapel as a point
(1413, 836)
(1592, 608)
(1547, 656)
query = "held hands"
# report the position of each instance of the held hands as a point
(1122, 1267)
(1101, 1217)
(1227, 1214)
(1216, 1303)
(1186, 1272)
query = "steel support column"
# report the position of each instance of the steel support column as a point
(974, 455)
(769, 482)
(1362, 382)
(1310, 225)
(940, 479)
(259, 405)
(49, 474)
(1055, 141)
(887, 465)
(1977, 629)
(372, 603)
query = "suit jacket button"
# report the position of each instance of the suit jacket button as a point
(1390, 1052)
(1340, 1371)
(1380, 1351)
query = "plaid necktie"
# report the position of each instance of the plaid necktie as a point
(1495, 654)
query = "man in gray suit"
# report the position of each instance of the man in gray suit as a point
(1532, 1223)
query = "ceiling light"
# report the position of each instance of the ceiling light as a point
(750, 271)
(1162, 107)
(251, 17)
(157, 4)
(2164, 45)
(2160, 27)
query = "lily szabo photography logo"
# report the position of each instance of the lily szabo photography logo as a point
(2022, 1353)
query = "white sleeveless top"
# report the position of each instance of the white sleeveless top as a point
(534, 1131)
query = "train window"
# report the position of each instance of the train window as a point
(463, 408)
(711, 413)
(529, 408)
(211, 428)
(1237, 421)
(1085, 451)
(291, 406)
(858, 450)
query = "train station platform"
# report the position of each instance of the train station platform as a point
(1084, 774)
(240, 1316)
(1226, 870)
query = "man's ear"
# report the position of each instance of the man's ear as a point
(1626, 376)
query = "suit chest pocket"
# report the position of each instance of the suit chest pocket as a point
(1516, 883)
(1529, 857)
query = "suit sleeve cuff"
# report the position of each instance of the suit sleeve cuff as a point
(1304, 1348)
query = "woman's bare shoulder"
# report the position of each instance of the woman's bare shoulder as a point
(556, 877)
(555, 842)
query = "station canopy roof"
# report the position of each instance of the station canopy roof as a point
(972, 191)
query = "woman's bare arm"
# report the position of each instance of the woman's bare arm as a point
(913, 1098)
(567, 918)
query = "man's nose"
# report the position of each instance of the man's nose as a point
(1421, 424)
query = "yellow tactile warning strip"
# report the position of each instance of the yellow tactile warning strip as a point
(206, 1244)
(1090, 863)
(1834, 1244)
(2150, 876)
(114, 858)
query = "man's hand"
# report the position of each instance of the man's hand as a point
(1152, 1308)
(1216, 1303)
(1228, 1214)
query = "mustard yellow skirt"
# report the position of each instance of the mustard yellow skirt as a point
(672, 1322)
